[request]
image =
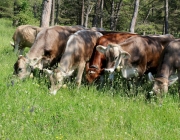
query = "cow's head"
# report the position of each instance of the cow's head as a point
(115, 56)
(161, 83)
(93, 73)
(56, 78)
(36, 63)
(21, 68)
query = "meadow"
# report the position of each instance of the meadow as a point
(28, 111)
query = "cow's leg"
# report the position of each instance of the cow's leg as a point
(21, 51)
(80, 73)
(16, 46)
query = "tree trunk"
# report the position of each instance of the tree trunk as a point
(101, 17)
(57, 11)
(82, 13)
(35, 11)
(113, 11)
(16, 11)
(46, 12)
(166, 17)
(133, 21)
(52, 12)
(89, 9)
(117, 14)
(96, 14)
(112, 16)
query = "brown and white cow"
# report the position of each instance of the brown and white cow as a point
(24, 36)
(169, 69)
(46, 50)
(136, 55)
(97, 63)
(78, 51)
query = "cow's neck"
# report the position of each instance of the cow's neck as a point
(65, 64)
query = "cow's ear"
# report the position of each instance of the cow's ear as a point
(172, 80)
(125, 55)
(70, 73)
(101, 49)
(12, 43)
(20, 56)
(150, 76)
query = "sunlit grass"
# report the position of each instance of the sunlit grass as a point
(28, 111)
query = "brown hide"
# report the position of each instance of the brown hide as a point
(24, 36)
(97, 63)
(144, 53)
(49, 46)
(168, 65)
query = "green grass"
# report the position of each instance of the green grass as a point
(28, 111)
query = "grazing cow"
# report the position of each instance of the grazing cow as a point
(95, 67)
(46, 50)
(24, 36)
(136, 55)
(78, 51)
(169, 68)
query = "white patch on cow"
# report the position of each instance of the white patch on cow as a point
(92, 72)
(116, 51)
(129, 72)
(110, 69)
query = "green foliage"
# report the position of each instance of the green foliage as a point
(25, 14)
(147, 29)
(6, 8)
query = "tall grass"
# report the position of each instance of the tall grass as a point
(28, 111)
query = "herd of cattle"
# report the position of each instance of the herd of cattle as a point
(60, 50)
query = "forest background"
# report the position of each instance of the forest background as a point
(152, 16)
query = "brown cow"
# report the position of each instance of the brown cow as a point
(168, 69)
(97, 63)
(46, 50)
(24, 36)
(136, 55)
(78, 51)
